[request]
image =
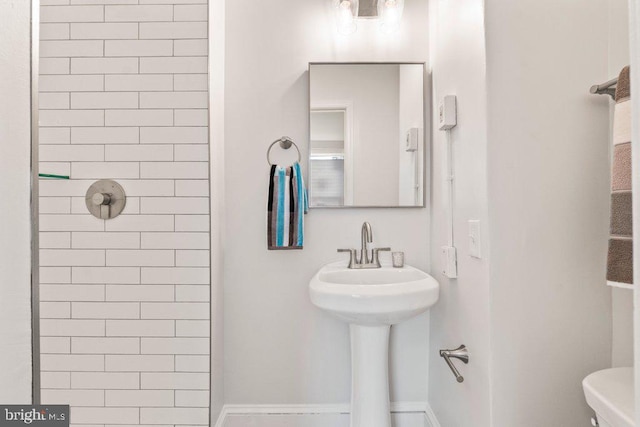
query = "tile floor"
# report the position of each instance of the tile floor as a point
(411, 419)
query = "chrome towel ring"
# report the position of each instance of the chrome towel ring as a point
(285, 144)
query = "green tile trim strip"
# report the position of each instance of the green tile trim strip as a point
(48, 175)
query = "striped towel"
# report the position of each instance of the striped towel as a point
(288, 202)
(620, 257)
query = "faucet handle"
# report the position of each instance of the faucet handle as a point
(352, 256)
(376, 257)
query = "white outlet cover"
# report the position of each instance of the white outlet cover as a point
(449, 262)
(475, 245)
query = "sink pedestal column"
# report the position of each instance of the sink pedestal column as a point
(370, 376)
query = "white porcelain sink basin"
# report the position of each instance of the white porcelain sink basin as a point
(371, 300)
(610, 394)
(381, 296)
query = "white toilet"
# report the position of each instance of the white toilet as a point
(610, 394)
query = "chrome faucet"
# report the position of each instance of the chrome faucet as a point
(367, 237)
(364, 261)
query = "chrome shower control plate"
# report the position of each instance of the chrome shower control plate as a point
(105, 199)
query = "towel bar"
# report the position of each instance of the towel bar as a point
(607, 88)
(285, 144)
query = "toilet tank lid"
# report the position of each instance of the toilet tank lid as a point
(610, 394)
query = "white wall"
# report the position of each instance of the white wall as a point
(622, 299)
(548, 197)
(15, 217)
(278, 347)
(217, 25)
(544, 317)
(462, 314)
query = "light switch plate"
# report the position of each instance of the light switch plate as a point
(475, 245)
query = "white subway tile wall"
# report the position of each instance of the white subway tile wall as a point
(125, 303)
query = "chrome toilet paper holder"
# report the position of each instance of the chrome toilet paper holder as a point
(460, 353)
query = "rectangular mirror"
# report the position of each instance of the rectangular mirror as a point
(367, 144)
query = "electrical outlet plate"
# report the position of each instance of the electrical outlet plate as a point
(447, 113)
(449, 262)
(413, 136)
(475, 246)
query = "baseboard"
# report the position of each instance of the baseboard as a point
(338, 408)
(431, 417)
(221, 417)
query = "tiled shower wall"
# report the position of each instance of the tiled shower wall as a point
(125, 302)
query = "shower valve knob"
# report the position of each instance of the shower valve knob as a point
(105, 199)
(101, 199)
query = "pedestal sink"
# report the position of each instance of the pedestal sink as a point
(371, 300)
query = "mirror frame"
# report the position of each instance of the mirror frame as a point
(426, 134)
